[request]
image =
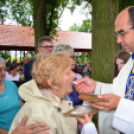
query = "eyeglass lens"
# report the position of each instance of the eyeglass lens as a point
(47, 47)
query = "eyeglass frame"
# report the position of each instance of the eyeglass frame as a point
(47, 47)
(118, 34)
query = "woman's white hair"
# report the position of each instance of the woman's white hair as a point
(2, 61)
(63, 48)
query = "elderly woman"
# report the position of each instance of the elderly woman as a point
(52, 81)
(10, 102)
(69, 51)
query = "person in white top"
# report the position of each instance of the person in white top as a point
(123, 118)
(119, 62)
(13, 76)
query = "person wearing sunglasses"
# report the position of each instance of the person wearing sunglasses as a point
(45, 46)
(120, 94)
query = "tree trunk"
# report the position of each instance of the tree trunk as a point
(104, 47)
(38, 20)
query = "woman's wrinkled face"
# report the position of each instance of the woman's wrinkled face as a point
(2, 71)
(72, 56)
(119, 63)
(66, 87)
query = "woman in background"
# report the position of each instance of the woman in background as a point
(119, 61)
(13, 76)
(10, 101)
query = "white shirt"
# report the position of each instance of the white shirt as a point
(123, 118)
(89, 128)
(6, 75)
(11, 78)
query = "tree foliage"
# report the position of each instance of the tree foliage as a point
(5, 54)
(125, 3)
(17, 10)
(85, 27)
(43, 15)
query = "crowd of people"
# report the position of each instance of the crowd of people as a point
(46, 90)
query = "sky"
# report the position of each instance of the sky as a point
(68, 19)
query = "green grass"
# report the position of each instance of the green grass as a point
(13, 58)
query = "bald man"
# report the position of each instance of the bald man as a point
(120, 118)
(26, 60)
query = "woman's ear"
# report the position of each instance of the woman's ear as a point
(52, 85)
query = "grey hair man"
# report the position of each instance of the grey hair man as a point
(45, 46)
(2, 61)
(26, 60)
(68, 50)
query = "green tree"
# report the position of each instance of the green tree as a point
(125, 3)
(2, 11)
(86, 57)
(17, 10)
(45, 15)
(85, 27)
(5, 54)
(74, 27)
(30, 54)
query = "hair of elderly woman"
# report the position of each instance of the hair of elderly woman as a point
(2, 61)
(123, 56)
(50, 67)
(63, 48)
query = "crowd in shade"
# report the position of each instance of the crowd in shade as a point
(35, 95)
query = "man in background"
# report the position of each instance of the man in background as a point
(44, 46)
(26, 60)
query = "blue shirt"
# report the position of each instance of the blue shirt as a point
(9, 104)
(74, 96)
